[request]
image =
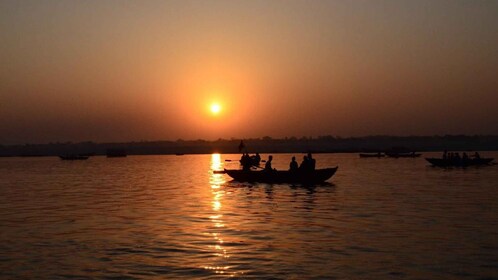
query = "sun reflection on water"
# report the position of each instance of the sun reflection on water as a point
(216, 181)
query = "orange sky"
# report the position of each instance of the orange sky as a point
(149, 70)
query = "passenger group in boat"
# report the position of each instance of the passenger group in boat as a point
(308, 163)
(454, 159)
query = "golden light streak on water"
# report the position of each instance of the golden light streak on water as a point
(216, 181)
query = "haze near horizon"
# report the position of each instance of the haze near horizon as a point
(150, 70)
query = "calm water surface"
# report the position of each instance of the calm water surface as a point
(168, 217)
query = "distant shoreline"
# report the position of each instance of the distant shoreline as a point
(322, 144)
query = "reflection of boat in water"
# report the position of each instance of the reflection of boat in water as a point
(402, 155)
(459, 162)
(112, 153)
(277, 176)
(73, 157)
(369, 155)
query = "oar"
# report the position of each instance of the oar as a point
(219, 172)
(255, 166)
(229, 160)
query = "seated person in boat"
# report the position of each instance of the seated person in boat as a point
(268, 164)
(246, 162)
(311, 162)
(304, 164)
(293, 165)
(256, 158)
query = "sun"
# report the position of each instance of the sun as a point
(215, 108)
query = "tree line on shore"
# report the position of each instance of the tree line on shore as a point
(321, 144)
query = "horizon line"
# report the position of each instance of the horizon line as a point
(264, 138)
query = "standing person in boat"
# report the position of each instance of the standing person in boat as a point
(268, 164)
(293, 165)
(312, 162)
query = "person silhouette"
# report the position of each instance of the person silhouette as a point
(245, 161)
(257, 158)
(312, 162)
(304, 164)
(293, 164)
(268, 164)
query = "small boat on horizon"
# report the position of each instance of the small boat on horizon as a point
(282, 176)
(372, 155)
(403, 155)
(459, 162)
(73, 157)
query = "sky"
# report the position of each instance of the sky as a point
(110, 71)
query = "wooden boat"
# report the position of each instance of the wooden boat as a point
(376, 155)
(459, 162)
(402, 155)
(73, 157)
(278, 176)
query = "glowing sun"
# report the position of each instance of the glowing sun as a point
(215, 108)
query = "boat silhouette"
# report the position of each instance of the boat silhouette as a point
(282, 176)
(73, 157)
(459, 162)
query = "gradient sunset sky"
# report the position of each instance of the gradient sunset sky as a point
(150, 70)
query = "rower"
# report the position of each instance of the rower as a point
(268, 164)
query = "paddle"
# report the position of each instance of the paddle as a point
(255, 166)
(263, 160)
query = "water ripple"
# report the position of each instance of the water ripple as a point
(149, 217)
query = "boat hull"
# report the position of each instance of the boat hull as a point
(377, 155)
(311, 177)
(403, 155)
(73, 157)
(459, 162)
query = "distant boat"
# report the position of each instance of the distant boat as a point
(112, 153)
(277, 176)
(369, 155)
(402, 155)
(74, 157)
(459, 162)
